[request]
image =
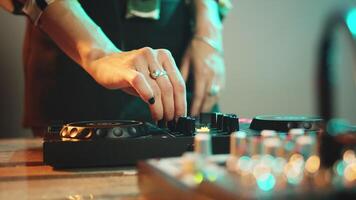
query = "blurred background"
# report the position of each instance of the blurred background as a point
(270, 52)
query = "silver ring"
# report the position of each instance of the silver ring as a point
(158, 73)
(214, 90)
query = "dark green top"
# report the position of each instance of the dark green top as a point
(57, 89)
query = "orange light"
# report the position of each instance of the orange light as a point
(349, 156)
(312, 164)
(350, 172)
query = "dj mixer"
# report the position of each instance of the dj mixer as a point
(117, 143)
(272, 164)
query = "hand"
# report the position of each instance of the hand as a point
(130, 71)
(209, 75)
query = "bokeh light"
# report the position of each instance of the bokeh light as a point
(266, 182)
(278, 165)
(198, 177)
(312, 164)
(244, 163)
(350, 172)
(351, 21)
(339, 168)
(349, 156)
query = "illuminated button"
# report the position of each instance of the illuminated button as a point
(64, 132)
(73, 132)
(203, 130)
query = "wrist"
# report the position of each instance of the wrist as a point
(211, 43)
(92, 53)
(207, 20)
(94, 46)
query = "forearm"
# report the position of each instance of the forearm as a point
(75, 33)
(7, 5)
(207, 20)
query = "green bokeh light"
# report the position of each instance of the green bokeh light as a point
(212, 177)
(198, 177)
(266, 182)
(340, 168)
(295, 180)
(351, 21)
(244, 163)
(289, 146)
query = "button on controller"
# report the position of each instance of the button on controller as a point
(186, 126)
(230, 123)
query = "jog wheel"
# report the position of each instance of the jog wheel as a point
(103, 129)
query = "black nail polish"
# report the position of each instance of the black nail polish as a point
(152, 100)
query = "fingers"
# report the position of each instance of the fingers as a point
(165, 94)
(164, 84)
(157, 110)
(198, 97)
(202, 101)
(185, 65)
(131, 91)
(209, 102)
(142, 66)
(141, 86)
(209, 99)
(177, 82)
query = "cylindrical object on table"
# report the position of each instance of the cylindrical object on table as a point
(238, 143)
(271, 146)
(202, 144)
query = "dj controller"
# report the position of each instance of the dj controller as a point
(214, 156)
(116, 143)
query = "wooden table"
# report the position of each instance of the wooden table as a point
(24, 176)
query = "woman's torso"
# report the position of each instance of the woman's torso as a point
(57, 89)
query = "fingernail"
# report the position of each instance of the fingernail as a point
(152, 100)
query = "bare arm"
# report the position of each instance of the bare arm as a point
(205, 56)
(75, 32)
(79, 37)
(7, 5)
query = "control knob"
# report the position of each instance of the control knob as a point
(186, 126)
